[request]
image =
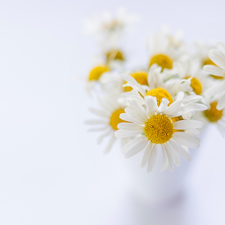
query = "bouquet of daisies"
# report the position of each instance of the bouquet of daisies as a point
(162, 107)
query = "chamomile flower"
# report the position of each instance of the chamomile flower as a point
(157, 125)
(189, 69)
(217, 90)
(201, 53)
(109, 118)
(95, 75)
(165, 50)
(109, 28)
(213, 115)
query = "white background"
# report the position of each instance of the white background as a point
(51, 170)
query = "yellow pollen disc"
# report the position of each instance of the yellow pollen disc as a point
(159, 129)
(163, 61)
(115, 118)
(208, 61)
(160, 93)
(97, 72)
(213, 114)
(114, 55)
(196, 85)
(140, 77)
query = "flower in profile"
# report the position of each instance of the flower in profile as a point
(218, 90)
(165, 49)
(189, 69)
(212, 115)
(95, 75)
(109, 118)
(157, 125)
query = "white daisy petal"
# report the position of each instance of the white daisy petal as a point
(133, 114)
(127, 133)
(175, 156)
(173, 108)
(187, 124)
(221, 47)
(127, 117)
(146, 155)
(163, 105)
(100, 139)
(215, 89)
(217, 57)
(111, 142)
(152, 158)
(192, 98)
(132, 143)
(100, 113)
(165, 159)
(139, 109)
(151, 104)
(192, 107)
(133, 83)
(186, 139)
(194, 131)
(169, 157)
(136, 148)
(221, 103)
(180, 150)
(130, 126)
(215, 70)
(221, 129)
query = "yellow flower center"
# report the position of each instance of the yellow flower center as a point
(114, 55)
(97, 72)
(208, 61)
(140, 77)
(162, 60)
(196, 85)
(213, 114)
(160, 93)
(159, 129)
(115, 118)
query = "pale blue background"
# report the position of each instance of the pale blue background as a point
(51, 170)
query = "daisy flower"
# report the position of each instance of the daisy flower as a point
(108, 118)
(95, 75)
(217, 90)
(213, 115)
(165, 50)
(156, 125)
(109, 28)
(201, 53)
(189, 69)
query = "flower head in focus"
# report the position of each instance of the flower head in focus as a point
(154, 125)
